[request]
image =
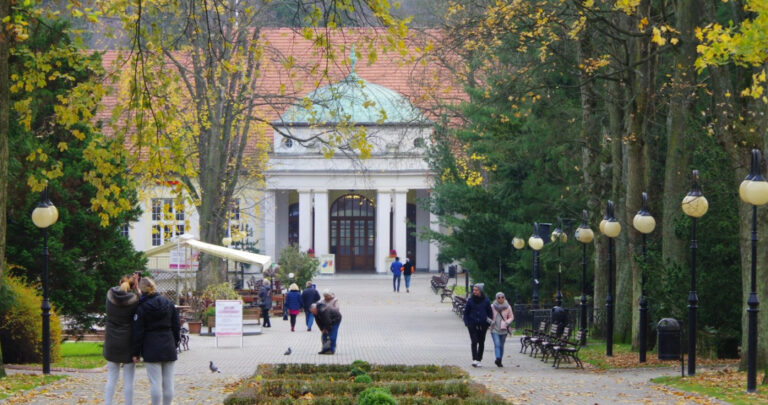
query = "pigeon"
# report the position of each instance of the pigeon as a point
(287, 352)
(213, 368)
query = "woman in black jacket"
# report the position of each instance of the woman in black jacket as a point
(121, 305)
(156, 332)
(477, 318)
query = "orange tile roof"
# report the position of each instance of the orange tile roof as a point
(415, 75)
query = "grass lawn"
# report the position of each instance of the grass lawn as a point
(80, 355)
(728, 385)
(625, 357)
(19, 382)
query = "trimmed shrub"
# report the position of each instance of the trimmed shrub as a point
(21, 326)
(363, 378)
(376, 396)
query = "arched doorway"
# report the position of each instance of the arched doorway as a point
(353, 232)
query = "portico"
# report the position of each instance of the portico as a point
(357, 209)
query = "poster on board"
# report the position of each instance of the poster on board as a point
(327, 264)
(229, 319)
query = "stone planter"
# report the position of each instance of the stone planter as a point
(195, 326)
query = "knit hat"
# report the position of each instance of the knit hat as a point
(480, 286)
(500, 294)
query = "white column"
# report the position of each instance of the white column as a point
(399, 230)
(270, 226)
(383, 208)
(305, 220)
(434, 226)
(321, 222)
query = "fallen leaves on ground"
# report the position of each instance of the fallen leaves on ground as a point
(630, 360)
(728, 384)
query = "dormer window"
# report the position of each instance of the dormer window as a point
(288, 142)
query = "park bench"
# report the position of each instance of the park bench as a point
(551, 342)
(439, 282)
(447, 292)
(536, 341)
(568, 349)
(458, 305)
(525, 340)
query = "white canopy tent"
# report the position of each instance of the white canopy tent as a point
(215, 250)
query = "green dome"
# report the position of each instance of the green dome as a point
(354, 100)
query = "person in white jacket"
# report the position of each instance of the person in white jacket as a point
(502, 318)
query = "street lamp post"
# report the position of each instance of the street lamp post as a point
(43, 216)
(645, 224)
(536, 242)
(585, 236)
(518, 244)
(754, 191)
(611, 228)
(694, 205)
(560, 235)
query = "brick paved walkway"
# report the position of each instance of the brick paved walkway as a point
(382, 327)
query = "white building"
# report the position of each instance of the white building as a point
(357, 209)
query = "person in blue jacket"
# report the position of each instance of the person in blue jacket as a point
(308, 297)
(396, 269)
(477, 316)
(293, 303)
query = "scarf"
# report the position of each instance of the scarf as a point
(497, 322)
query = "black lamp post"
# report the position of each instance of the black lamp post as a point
(585, 236)
(611, 228)
(694, 205)
(560, 235)
(645, 224)
(536, 242)
(518, 244)
(754, 191)
(43, 216)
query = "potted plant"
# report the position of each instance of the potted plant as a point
(209, 317)
(311, 252)
(195, 313)
(393, 253)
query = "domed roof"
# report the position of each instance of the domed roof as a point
(353, 100)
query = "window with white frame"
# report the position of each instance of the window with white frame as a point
(167, 220)
(124, 231)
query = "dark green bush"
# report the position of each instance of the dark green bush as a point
(363, 378)
(376, 396)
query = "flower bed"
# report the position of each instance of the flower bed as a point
(342, 384)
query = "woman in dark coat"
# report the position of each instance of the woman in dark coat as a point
(293, 303)
(156, 333)
(265, 302)
(477, 316)
(121, 305)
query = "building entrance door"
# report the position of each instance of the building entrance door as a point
(353, 232)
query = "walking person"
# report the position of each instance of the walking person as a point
(293, 303)
(265, 302)
(156, 333)
(408, 270)
(477, 317)
(329, 298)
(328, 320)
(502, 318)
(121, 305)
(308, 297)
(396, 268)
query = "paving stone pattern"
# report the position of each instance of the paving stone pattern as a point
(383, 327)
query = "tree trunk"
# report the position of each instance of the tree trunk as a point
(737, 145)
(5, 111)
(679, 133)
(596, 184)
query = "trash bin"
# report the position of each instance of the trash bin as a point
(452, 271)
(668, 334)
(559, 318)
